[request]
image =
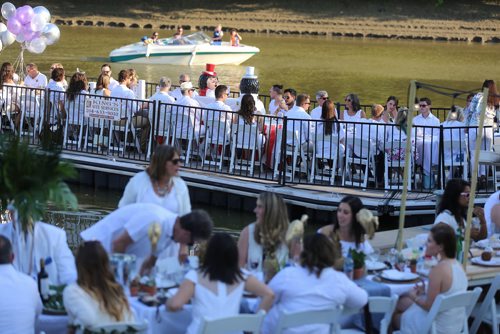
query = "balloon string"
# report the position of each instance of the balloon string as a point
(19, 64)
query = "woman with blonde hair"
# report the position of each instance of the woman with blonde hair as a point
(96, 298)
(266, 236)
(102, 85)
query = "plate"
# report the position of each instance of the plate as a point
(51, 311)
(374, 265)
(164, 283)
(486, 243)
(399, 276)
(494, 262)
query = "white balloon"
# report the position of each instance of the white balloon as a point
(51, 33)
(3, 27)
(1, 46)
(8, 10)
(7, 38)
(42, 11)
(37, 45)
(20, 37)
(38, 22)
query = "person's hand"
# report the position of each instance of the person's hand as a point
(147, 265)
(478, 211)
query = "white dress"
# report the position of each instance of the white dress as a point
(207, 303)
(363, 246)
(255, 252)
(447, 322)
(355, 118)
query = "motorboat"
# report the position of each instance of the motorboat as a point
(193, 49)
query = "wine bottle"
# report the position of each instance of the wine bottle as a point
(43, 282)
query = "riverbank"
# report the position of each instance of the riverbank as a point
(468, 21)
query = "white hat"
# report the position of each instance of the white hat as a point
(250, 73)
(186, 85)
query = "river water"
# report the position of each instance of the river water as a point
(374, 69)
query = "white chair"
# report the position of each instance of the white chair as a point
(325, 149)
(455, 155)
(442, 303)
(185, 128)
(217, 138)
(328, 316)
(120, 328)
(245, 137)
(293, 149)
(394, 165)
(385, 305)
(242, 322)
(488, 311)
(75, 118)
(360, 151)
(31, 109)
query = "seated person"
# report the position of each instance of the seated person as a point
(216, 288)
(314, 285)
(96, 299)
(20, 303)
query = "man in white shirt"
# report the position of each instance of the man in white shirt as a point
(321, 97)
(106, 70)
(177, 93)
(289, 95)
(34, 78)
(140, 117)
(164, 111)
(426, 119)
(191, 108)
(127, 230)
(298, 112)
(220, 98)
(20, 303)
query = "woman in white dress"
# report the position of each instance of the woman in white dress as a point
(446, 278)
(453, 210)
(277, 103)
(314, 285)
(73, 110)
(327, 131)
(96, 298)
(266, 236)
(247, 116)
(349, 229)
(216, 289)
(102, 84)
(352, 111)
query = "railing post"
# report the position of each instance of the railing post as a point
(441, 158)
(283, 152)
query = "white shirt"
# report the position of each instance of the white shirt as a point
(83, 309)
(212, 115)
(40, 81)
(162, 97)
(316, 112)
(57, 91)
(348, 118)
(112, 83)
(177, 93)
(135, 219)
(447, 218)
(296, 289)
(20, 303)
(165, 111)
(303, 126)
(422, 121)
(493, 200)
(364, 246)
(122, 91)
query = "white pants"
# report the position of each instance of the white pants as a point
(486, 143)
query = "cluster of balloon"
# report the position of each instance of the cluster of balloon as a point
(29, 26)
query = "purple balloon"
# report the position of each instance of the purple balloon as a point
(14, 26)
(29, 34)
(25, 14)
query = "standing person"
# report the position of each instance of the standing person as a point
(96, 298)
(160, 183)
(20, 304)
(299, 120)
(218, 34)
(216, 288)
(472, 114)
(235, 38)
(313, 285)
(321, 97)
(446, 278)
(350, 228)
(266, 236)
(453, 210)
(106, 70)
(277, 103)
(34, 78)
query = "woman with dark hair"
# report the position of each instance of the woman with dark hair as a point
(352, 111)
(277, 103)
(266, 236)
(325, 148)
(160, 183)
(391, 107)
(246, 116)
(74, 106)
(352, 226)
(453, 209)
(314, 285)
(96, 298)
(446, 278)
(472, 114)
(216, 288)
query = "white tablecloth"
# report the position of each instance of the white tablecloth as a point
(397, 289)
(426, 148)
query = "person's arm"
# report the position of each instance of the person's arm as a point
(120, 244)
(435, 282)
(130, 193)
(356, 296)
(147, 265)
(80, 311)
(259, 289)
(482, 232)
(239, 37)
(65, 261)
(182, 297)
(243, 247)
(363, 114)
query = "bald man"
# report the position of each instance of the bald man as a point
(492, 213)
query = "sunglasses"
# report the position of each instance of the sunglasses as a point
(466, 195)
(347, 100)
(422, 105)
(324, 98)
(175, 161)
(286, 97)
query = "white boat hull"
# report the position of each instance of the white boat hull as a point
(139, 53)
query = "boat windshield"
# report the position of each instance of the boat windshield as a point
(192, 39)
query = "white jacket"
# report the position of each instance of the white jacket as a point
(140, 182)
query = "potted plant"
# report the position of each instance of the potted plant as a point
(358, 258)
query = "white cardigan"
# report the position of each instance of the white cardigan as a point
(139, 184)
